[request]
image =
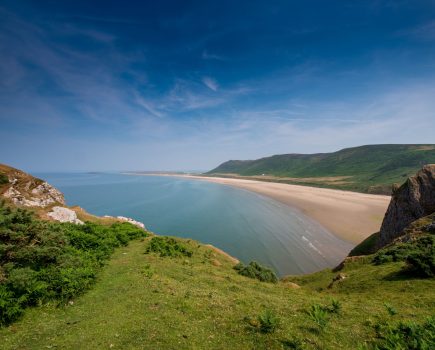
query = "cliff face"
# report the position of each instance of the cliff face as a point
(409, 202)
(25, 190)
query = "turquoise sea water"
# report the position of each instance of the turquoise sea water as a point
(244, 224)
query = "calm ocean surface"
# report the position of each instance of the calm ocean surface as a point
(244, 224)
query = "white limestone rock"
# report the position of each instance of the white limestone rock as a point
(63, 214)
(42, 195)
(48, 194)
(129, 220)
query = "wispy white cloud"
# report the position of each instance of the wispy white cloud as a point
(148, 106)
(210, 83)
(51, 87)
(75, 82)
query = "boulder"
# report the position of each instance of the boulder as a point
(63, 214)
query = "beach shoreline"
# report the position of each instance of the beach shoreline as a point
(351, 216)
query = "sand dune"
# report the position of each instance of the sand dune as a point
(349, 215)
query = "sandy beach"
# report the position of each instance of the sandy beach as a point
(349, 215)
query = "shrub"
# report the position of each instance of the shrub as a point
(335, 306)
(255, 270)
(11, 307)
(422, 262)
(397, 252)
(268, 321)
(3, 179)
(167, 246)
(295, 344)
(319, 315)
(419, 255)
(43, 261)
(405, 335)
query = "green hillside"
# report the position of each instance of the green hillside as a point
(170, 293)
(372, 168)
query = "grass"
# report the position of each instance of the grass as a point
(148, 301)
(371, 169)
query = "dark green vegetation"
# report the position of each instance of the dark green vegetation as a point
(42, 261)
(147, 301)
(370, 169)
(167, 246)
(405, 335)
(255, 270)
(3, 179)
(268, 321)
(419, 255)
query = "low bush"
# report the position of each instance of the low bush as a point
(319, 314)
(268, 321)
(335, 307)
(167, 246)
(294, 344)
(255, 270)
(41, 261)
(422, 262)
(405, 335)
(419, 255)
(3, 179)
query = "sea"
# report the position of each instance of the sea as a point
(246, 225)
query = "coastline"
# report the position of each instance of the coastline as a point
(351, 216)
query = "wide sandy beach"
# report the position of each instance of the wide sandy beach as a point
(349, 215)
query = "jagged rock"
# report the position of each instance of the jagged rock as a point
(63, 214)
(48, 193)
(26, 190)
(409, 202)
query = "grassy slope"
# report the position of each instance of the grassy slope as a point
(195, 303)
(372, 168)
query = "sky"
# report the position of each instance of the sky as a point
(187, 85)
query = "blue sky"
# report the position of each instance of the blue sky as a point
(186, 85)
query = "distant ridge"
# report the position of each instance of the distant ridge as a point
(369, 168)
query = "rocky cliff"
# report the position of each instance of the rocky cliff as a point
(409, 202)
(25, 190)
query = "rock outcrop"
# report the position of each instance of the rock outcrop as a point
(63, 214)
(25, 190)
(129, 220)
(409, 202)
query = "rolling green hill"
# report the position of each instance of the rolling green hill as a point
(172, 300)
(372, 168)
